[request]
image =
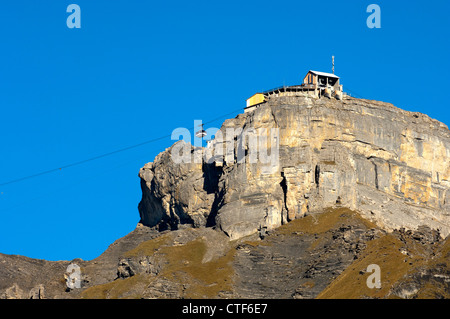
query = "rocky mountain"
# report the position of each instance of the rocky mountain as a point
(390, 165)
(337, 185)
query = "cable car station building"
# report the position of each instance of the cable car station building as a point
(318, 84)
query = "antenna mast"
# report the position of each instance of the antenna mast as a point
(332, 59)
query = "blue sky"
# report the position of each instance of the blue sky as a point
(136, 70)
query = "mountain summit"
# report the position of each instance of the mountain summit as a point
(297, 197)
(390, 165)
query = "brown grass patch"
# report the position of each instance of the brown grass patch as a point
(149, 247)
(184, 267)
(115, 289)
(383, 251)
(203, 280)
(322, 222)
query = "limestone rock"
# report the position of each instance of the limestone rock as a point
(124, 270)
(37, 292)
(13, 292)
(174, 193)
(389, 164)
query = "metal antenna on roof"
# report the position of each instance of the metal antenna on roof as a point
(332, 59)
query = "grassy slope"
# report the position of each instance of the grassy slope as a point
(383, 251)
(395, 268)
(432, 289)
(208, 280)
(321, 223)
(184, 264)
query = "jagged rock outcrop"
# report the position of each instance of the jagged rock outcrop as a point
(174, 194)
(389, 164)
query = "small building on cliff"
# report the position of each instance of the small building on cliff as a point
(315, 83)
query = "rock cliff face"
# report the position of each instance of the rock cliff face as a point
(390, 165)
(341, 185)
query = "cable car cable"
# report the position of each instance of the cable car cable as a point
(20, 179)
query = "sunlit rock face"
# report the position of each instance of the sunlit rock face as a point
(389, 164)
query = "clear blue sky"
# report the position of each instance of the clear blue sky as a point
(136, 70)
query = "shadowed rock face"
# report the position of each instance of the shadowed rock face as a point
(390, 165)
